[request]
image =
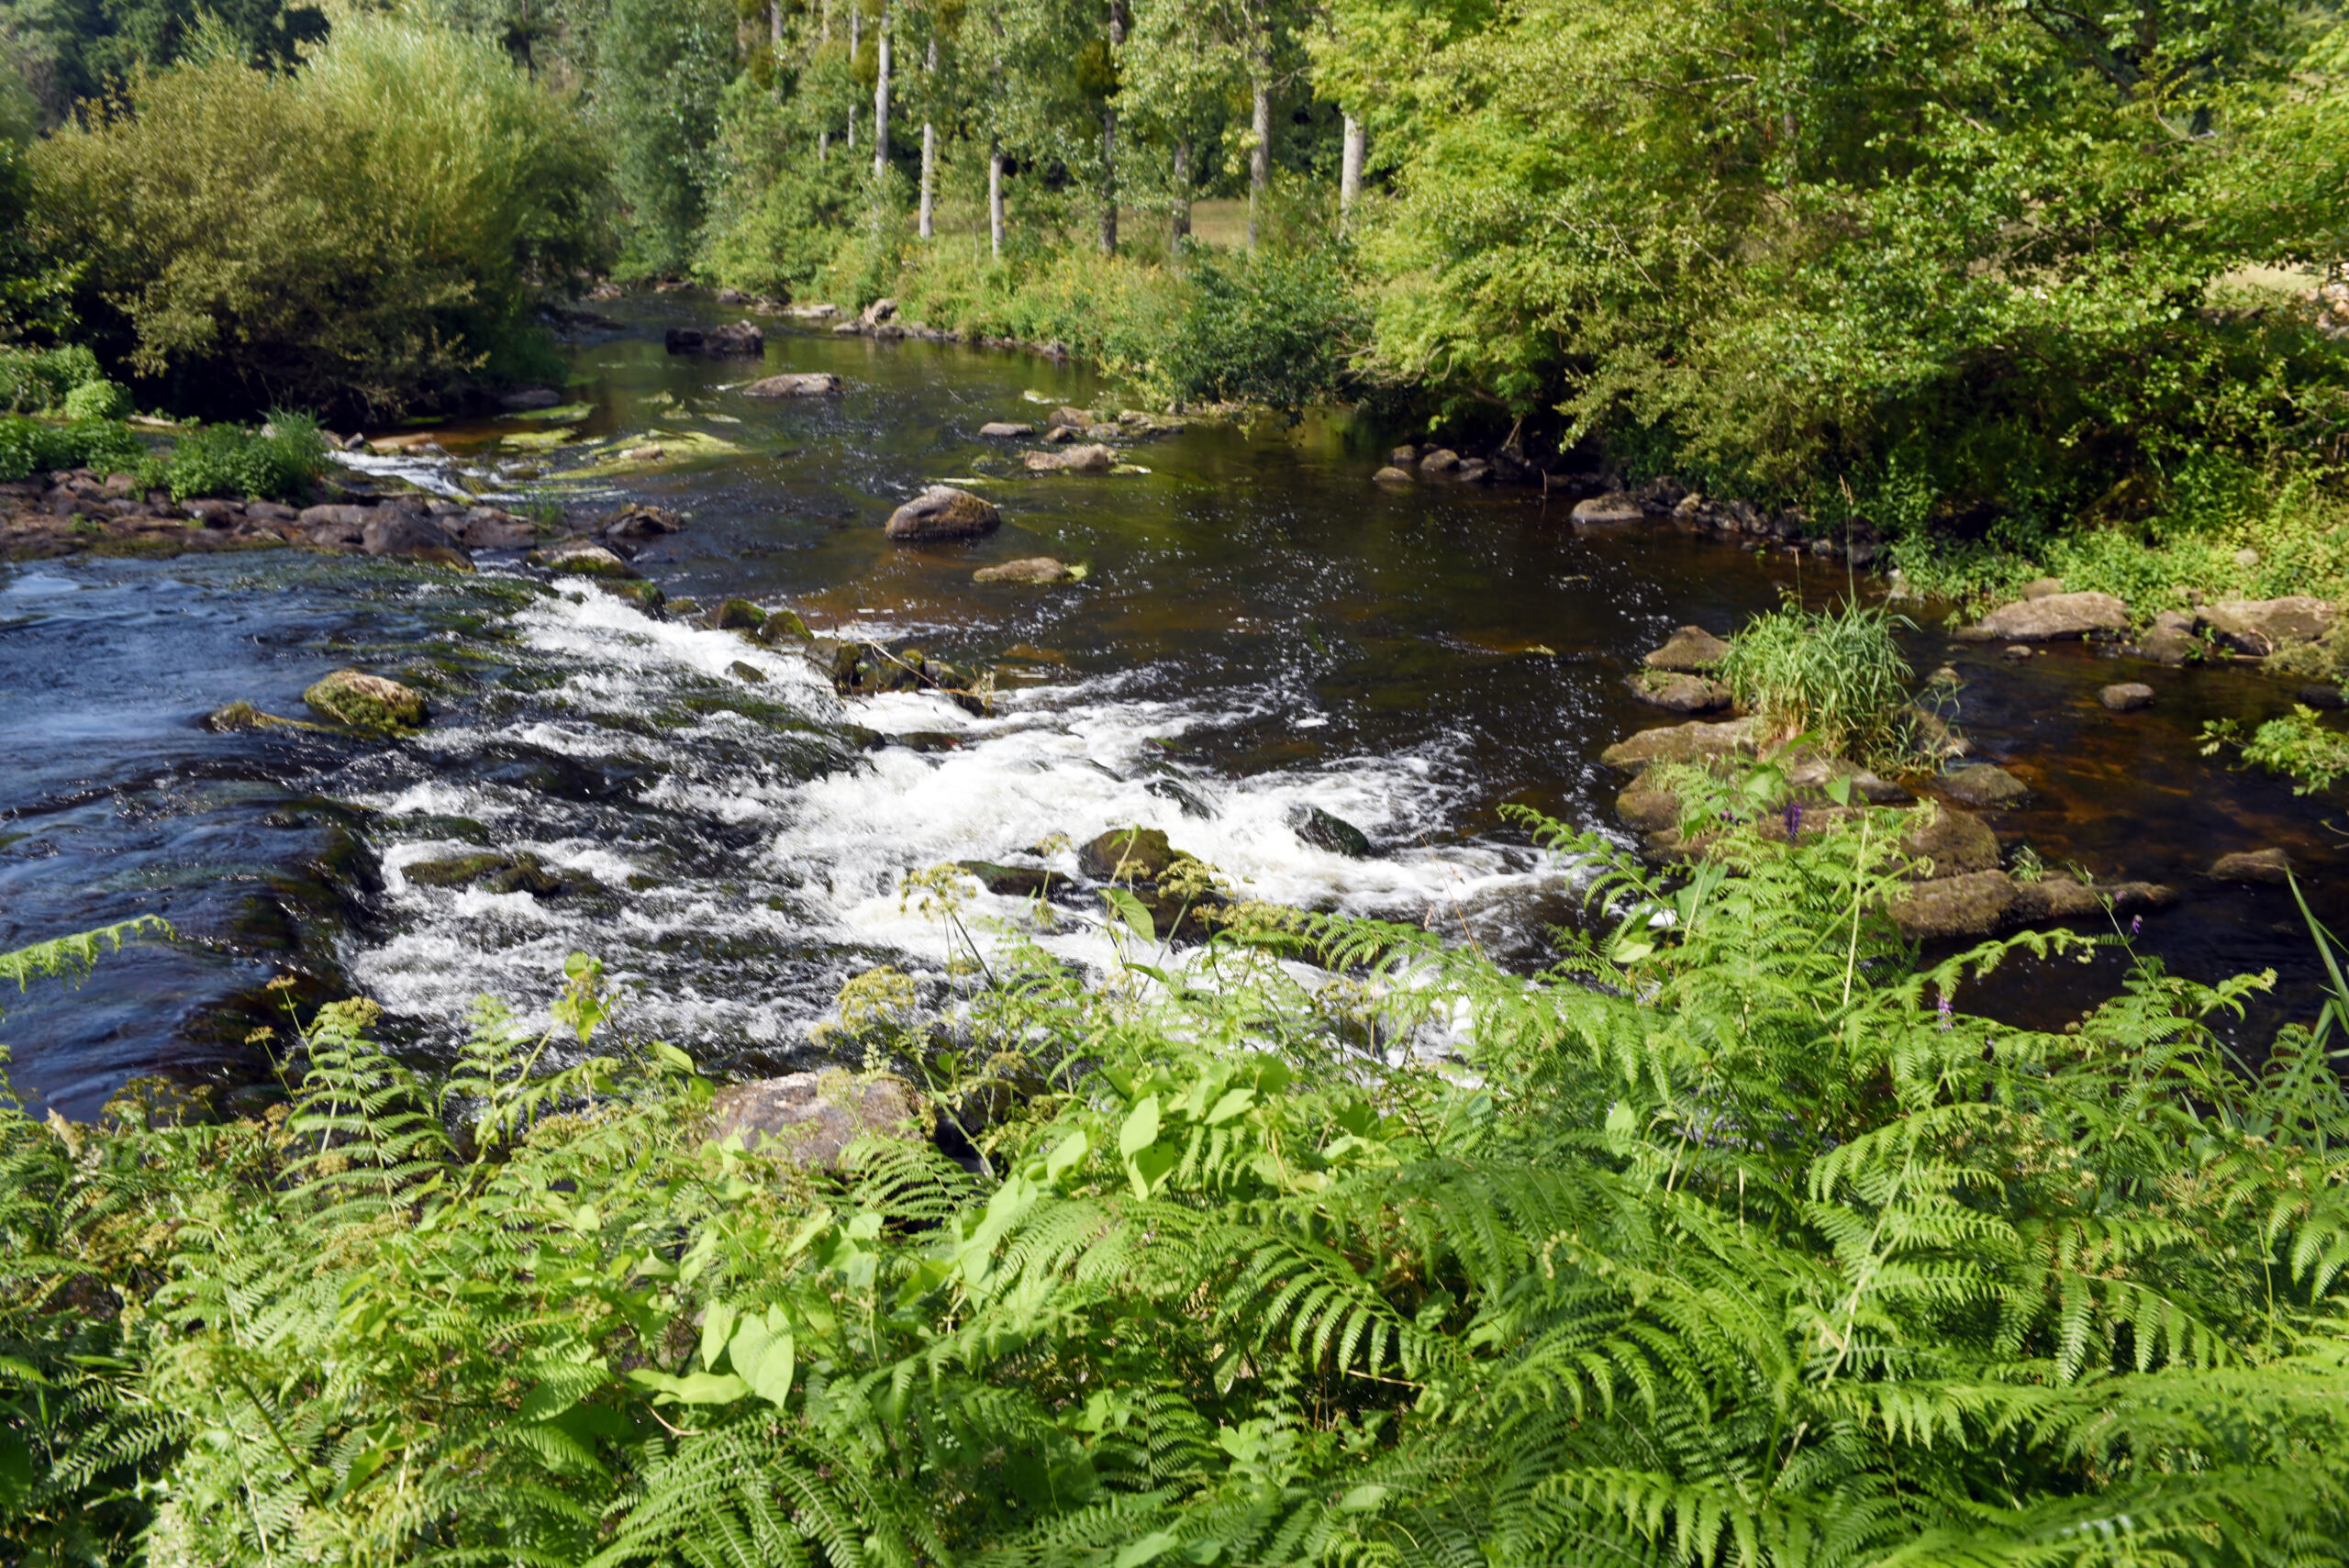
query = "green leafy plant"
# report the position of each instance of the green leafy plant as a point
(2297, 745)
(279, 461)
(29, 446)
(1837, 676)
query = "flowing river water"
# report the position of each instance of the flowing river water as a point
(1262, 629)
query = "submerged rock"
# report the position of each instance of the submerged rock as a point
(943, 512)
(582, 559)
(492, 871)
(2271, 866)
(360, 701)
(2126, 697)
(2067, 898)
(242, 716)
(390, 531)
(803, 384)
(638, 521)
(1007, 430)
(1323, 831)
(1034, 569)
(810, 1119)
(2047, 619)
(1091, 458)
(1012, 882)
(1392, 475)
(1690, 650)
(1983, 784)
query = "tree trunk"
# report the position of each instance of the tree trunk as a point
(929, 150)
(1108, 181)
(1260, 157)
(1349, 173)
(855, 43)
(995, 194)
(1180, 230)
(880, 102)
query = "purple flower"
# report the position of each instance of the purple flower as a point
(2136, 924)
(1947, 1012)
(1794, 819)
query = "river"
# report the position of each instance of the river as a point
(1261, 629)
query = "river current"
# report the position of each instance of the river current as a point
(1261, 629)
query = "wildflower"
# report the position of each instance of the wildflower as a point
(2136, 924)
(1947, 1012)
(1794, 819)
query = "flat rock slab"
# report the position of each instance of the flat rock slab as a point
(943, 512)
(1693, 742)
(1648, 811)
(2067, 898)
(2260, 627)
(2126, 697)
(1950, 908)
(1006, 430)
(805, 383)
(1691, 651)
(2055, 617)
(1983, 784)
(1681, 693)
(1090, 457)
(808, 1118)
(2270, 866)
(1035, 569)
(1602, 509)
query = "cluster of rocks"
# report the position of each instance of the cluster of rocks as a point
(1501, 467)
(2292, 634)
(881, 319)
(1962, 889)
(734, 340)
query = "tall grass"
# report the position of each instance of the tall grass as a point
(1836, 674)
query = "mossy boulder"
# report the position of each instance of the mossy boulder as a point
(497, 873)
(372, 703)
(1128, 854)
(737, 614)
(784, 626)
(1012, 882)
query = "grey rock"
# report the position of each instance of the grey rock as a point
(1972, 905)
(1392, 475)
(2057, 616)
(1681, 693)
(1953, 843)
(943, 512)
(2271, 866)
(1617, 507)
(2043, 588)
(1323, 831)
(2126, 697)
(1690, 650)
(800, 384)
(1442, 459)
(1006, 430)
(1035, 569)
(1692, 742)
(1088, 459)
(394, 532)
(810, 1119)
(1983, 784)
(2261, 627)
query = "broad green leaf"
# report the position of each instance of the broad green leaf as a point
(1141, 1129)
(1148, 1167)
(1149, 1548)
(1068, 1154)
(1233, 1102)
(693, 1388)
(1134, 913)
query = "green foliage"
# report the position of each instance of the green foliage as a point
(71, 958)
(40, 380)
(2295, 745)
(279, 461)
(1272, 329)
(98, 399)
(1696, 1249)
(1837, 676)
(31, 447)
(370, 231)
(663, 68)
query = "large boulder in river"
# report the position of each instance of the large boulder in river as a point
(1091, 458)
(1128, 854)
(360, 701)
(942, 512)
(487, 527)
(1690, 650)
(810, 1119)
(390, 531)
(2271, 866)
(2261, 627)
(1983, 784)
(802, 384)
(1694, 742)
(2047, 620)
(1323, 831)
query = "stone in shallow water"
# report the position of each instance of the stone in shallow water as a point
(581, 559)
(2260, 627)
(1691, 743)
(2272, 866)
(2047, 619)
(2126, 697)
(1690, 650)
(1127, 854)
(1602, 509)
(1973, 905)
(1681, 693)
(1954, 843)
(943, 512)
(809, 383)
(1091, 458)
(1980, 783)
(1006, 430)
(362, 701)
(1035, 569)
(1392, 475)
(1323, 831)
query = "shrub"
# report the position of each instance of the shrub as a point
(37, 381)
(1837, 676)
(2297, 746)
(99, 399)
(278, 461)
(1272, 329)
(370, 231)
(29, 446)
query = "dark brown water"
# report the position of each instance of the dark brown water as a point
(1261, 628)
